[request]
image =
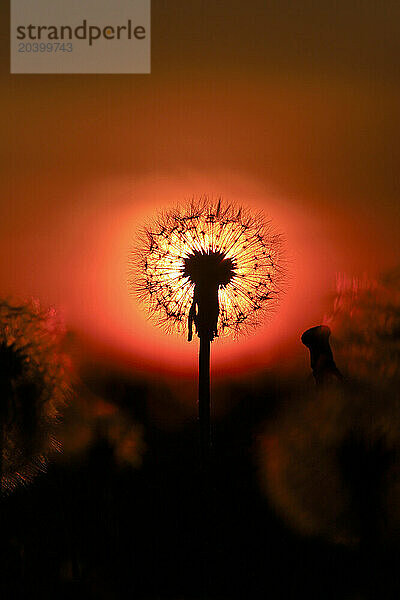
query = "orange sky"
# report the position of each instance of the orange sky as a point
(306, 130)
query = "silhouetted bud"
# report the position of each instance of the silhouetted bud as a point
(324, 368)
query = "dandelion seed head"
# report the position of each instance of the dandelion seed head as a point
(227, 245)
(33, 389)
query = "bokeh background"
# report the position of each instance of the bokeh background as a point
(292, 107)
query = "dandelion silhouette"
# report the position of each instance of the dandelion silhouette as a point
(209, 265)
(213, 246)
(33, 388)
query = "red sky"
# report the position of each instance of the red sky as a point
(289, 114)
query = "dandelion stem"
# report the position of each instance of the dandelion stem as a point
(204, 400)
(205, 451)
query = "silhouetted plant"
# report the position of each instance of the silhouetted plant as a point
(330, 459)
(213, 265)
(33, 388)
